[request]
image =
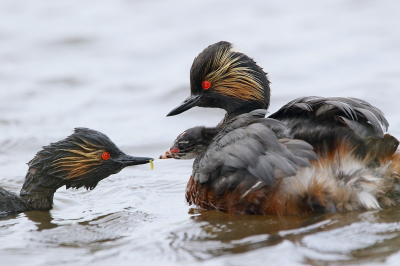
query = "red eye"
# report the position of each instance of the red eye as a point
(206, 85)
(105, 155)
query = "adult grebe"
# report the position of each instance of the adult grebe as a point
(357, 166)
(81, 160)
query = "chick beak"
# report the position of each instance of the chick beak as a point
(190, 102)
(128, 160)
(169, 154)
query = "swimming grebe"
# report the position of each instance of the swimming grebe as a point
(358, 164)
(81, 160)
(243, 157)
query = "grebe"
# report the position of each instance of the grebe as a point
(81, 160)
(357, 167)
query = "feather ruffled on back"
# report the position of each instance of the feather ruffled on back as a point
(360, 116)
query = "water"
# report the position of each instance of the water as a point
(120, 66)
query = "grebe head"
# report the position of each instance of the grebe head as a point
(82, 159)
(223, 78)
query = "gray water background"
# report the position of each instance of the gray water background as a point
(120, 66)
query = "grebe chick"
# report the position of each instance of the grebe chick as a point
(348, 135)
(81, 160)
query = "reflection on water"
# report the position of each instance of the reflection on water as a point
(368, 236)
(222, 233)
(120, 66)
(41, 219)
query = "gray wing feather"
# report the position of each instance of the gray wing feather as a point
(372, 119)
(344, 107)
(353, 109)
(247, 143)
(304, 106)
(362, 129)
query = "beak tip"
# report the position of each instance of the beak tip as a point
(137, 160)
(175, 111)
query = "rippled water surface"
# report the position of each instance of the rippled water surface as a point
(120, 66)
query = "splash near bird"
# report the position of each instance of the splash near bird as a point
(81, 160)
(249, 168)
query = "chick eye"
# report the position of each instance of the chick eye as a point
(206, 85)
(105, 155)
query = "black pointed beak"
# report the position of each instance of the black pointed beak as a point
(128, 160)
(190, 102)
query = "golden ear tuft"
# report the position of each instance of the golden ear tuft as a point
(225, 71)
(79, 162)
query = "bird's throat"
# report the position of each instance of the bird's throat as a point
(38, 190)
